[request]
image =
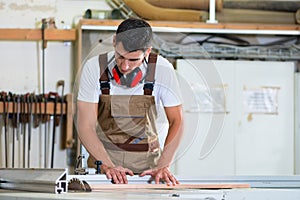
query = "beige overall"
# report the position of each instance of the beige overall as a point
(126, 124)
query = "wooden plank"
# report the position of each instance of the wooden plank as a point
(36, 34)
(163, 186)
(19, 34)
(60, 35)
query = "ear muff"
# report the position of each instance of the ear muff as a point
(117, 75)
(130, 80)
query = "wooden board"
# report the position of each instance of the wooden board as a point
(36, 34)
(163, 186)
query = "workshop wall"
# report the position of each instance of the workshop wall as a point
(21, 61)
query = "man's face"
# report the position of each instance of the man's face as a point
(128, 61)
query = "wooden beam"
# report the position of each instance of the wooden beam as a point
(36, 34)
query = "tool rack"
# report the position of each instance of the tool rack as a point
(66, 110)
(27, 34)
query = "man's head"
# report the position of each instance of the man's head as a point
(132, 44)
(135, 34)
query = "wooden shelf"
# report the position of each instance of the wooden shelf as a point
(36, 34)
(238, 28)
(186, 27)
(49, 108)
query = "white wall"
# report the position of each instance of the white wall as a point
(21, 61)
(26, 57)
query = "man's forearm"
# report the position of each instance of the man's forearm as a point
(95, 147)
(86, 124)
(170, 147)
(175, 132)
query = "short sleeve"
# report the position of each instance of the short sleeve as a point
(167, 84)
(89, 89)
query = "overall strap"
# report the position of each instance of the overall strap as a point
(149, 81)
(104, 80)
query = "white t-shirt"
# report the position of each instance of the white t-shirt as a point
(166, 89)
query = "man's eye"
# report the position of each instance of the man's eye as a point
(133, 60)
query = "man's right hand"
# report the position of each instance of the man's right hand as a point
(117, 174)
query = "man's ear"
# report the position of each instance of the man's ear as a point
(114, 40)
(148, 51)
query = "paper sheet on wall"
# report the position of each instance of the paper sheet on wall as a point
(261, 101)
(208, 100)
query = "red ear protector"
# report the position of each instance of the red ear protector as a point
(131, 79)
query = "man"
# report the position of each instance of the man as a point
(118, 98)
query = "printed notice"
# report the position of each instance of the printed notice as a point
(261, 101)
(209, 100)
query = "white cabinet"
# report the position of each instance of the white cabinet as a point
(239, 118)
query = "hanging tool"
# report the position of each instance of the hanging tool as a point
(36, 116)
(44, 46)
(54, 97)
(5, 116)
(14, 126)
(7, 124)
(13, 123)
(23, 127)
(3, 99)
(24, 122)
(59, 119)
(29, 116)
(45, 121)
(40, 117)
(18, 99)
(61, 84)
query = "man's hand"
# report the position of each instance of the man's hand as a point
(117, 174)
(161, 175)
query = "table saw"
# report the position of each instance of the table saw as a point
(54, 184)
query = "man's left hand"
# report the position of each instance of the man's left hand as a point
(161, 175)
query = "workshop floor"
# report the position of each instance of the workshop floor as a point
(221, 194)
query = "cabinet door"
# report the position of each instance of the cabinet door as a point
(207, 147)
(248, 143)
(265, 141)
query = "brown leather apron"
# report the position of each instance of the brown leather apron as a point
(126, 123)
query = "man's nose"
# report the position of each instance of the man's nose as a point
(124, 65)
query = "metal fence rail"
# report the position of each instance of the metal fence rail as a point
(36, 180)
